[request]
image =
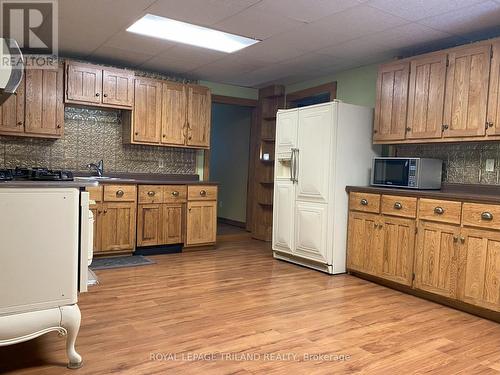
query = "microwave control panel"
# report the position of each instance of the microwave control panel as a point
(412, 172)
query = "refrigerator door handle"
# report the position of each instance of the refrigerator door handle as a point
(292, 166)
(296, 165)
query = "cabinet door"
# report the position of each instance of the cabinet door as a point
(118, 226)
(436, 258)
(118, 88)
(364, 243)
(283, 214)
(426, 96)
(493, 116)
(148, 224)
(147, 111)
(286, 131)
(467, 92)
(313, 157)
(97, 211)
(391, 102)
(172, 220)
(199, 112)
(174, 112)
(44, 102)
(12, 111)
(479, 268)
(201, 222)
(311, 231)
(397, 249)
(83, 83)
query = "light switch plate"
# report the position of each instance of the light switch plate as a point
(490, 165)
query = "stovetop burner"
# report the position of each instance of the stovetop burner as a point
(35, 174)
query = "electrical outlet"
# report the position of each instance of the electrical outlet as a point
(160, 163)
(490, 165)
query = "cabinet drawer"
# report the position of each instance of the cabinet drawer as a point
(365, 202)
(120, 193)
(196, 193)
(481, 215)
(95, 193)
(150, 194)
(438, 210)
(174, 193)
(399, 206)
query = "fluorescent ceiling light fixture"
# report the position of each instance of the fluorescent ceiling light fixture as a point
(182, 32)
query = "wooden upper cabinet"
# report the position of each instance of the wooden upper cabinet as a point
(174, 112)
(12, 112)
(467, 91)
(147, 111)
(44, 102)
(426, 96)
(199, 116)
(391, 103)
(493, 115)
(479, 277)
(118, 87)
(83, 83)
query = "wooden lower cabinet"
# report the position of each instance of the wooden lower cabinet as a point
(398, 243)
(118, 226)
(479, 268)
(364, 243)
(436, 264)
(172, 224)
(97, 211)
(159, 224)
(201, 222)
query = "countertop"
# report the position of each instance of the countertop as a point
(48, 184)
(468, 192)
(147, 179)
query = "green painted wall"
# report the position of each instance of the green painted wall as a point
(231, 90)
(230, 144)
(355, 86)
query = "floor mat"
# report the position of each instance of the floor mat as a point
(120, 262)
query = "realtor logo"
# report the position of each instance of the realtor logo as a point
(33, 24)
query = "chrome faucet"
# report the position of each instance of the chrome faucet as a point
(99, 167)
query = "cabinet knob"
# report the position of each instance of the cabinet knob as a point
(136, 133)
(487, 216)
(398, 205)
(164, 136)
(462, 239)
(97, 94)
(175, 193)
(408, 129)
(363, 202)
(439, 210)
(119, 193)
(190, 137)
(99, 212)
(105, 211)
(489, 124)
(58, 126)
(455, 238)
(203, 193)
(375, 131)
(20, 123)
(151, 193)
(445, 127)
(105, 95)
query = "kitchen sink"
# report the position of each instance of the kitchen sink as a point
(93, 178)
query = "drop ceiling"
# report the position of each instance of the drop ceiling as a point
(301, 39)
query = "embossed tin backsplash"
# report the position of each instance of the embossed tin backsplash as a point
(91, 135)
(464, 163)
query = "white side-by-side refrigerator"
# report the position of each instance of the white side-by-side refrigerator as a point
(320, 149)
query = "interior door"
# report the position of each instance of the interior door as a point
(284, 199)
(313, 156)
(147, 111)
(84, 83)
(199, 116)
(426, 96)
(467, 92)
(286, 131)
(391, 102)
(311, 231)
(436, 258)
(174, 112)
(12, 111)
(118, 88)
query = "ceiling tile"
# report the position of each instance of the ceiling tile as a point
(356, 22)
(117, 56)
(418, 9)
(304, 10)
(139, 43)
(272, 50)
(257, 24)
(199, 12)
(356, 49)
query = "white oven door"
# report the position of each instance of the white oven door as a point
(86, 240)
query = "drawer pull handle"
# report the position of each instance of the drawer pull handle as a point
(462, 239)
(203, 193)
(398, 206)
(439, 210)
(175, 193)
(487, 216)
(119, 193)
(364, 202)
(151, 193)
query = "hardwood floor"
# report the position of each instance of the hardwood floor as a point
(237, 299)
